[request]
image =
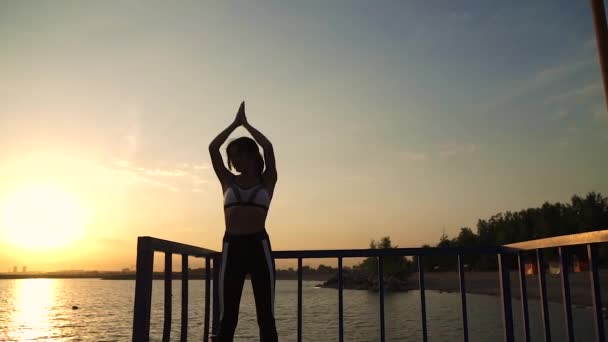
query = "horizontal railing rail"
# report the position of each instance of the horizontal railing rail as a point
(385, 252)
(562, 241)
(148, 245)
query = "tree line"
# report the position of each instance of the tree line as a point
(581, 214)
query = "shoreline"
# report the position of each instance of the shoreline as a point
(488, 283)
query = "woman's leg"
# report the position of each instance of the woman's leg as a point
(230, 287)
(263, 282)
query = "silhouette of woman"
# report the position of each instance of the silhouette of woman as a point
(246, 244)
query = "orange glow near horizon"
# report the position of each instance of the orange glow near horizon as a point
(42, 217)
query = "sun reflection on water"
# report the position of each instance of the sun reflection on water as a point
(33, 302)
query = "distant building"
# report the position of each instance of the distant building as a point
(14, 269)
(24, 269)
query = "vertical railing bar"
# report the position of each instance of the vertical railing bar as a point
(505, 294)
(207, 299)
(540, 262)
(168, 296)
(143, 290)
(595, 291)
(299, 299)
(340, 302)
(216, 296)
(524, 296)
(381, 289)
(564, 265)
(184, 328)
(463, 299)
(422, 298)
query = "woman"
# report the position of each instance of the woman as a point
(246, 245)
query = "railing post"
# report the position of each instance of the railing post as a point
(299, 299)
(381, 289)
(595, 291)
(207, 299)
(168, 296)
(505, 294)
(340, 302)
(524, 296)
(143, 290)
(463, 299)
(540, 262)
(184, 328)
(422, 298)
(216, 298)
(563, 258)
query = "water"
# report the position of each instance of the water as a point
(41, 309)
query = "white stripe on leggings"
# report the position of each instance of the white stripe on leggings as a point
(270, 272)
(221, 279)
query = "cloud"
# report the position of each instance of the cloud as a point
(557, 72)
(114, 242)
(132, 131)
(450, 150)
(546, 77)
(590, 43)
(570, 135)
(578, 94)
(414, 156)
(166, 173)
(201, 167)
(459, 16)
(600, 113)
(442, 151)
(161, 184)
(199, 180)
(174, 179)
(561, 114)
(122, 163)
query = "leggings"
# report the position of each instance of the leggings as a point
(242, 255)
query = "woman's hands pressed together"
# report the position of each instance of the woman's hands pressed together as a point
(241, 118)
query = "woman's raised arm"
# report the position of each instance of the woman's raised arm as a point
(270, 174)
(223, 174)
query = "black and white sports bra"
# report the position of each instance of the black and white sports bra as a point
(256, 196)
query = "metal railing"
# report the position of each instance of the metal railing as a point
(148, 245)
(591, 241)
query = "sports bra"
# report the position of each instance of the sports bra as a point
(256, 196)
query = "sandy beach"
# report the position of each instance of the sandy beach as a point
(488, 283)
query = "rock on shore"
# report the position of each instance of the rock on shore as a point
(359, 280)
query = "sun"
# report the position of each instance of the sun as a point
(42, 217)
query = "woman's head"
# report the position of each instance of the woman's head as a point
(244, 155)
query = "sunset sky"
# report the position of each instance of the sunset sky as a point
(394, 118)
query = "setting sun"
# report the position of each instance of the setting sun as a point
(41, 217)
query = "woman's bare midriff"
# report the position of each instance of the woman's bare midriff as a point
(244, 220)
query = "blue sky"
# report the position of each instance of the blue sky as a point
(388, 118)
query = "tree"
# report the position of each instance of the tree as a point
(324, 269)
(393, 265)
(582, 214)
